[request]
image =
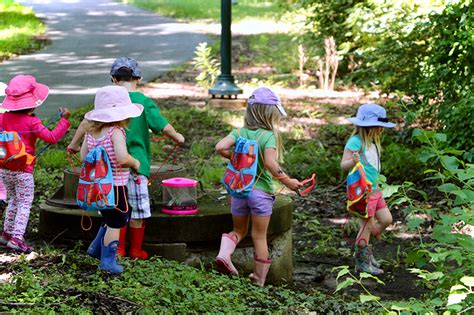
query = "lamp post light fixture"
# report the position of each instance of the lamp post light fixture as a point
(225, 86)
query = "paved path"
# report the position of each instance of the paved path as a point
(87, 36)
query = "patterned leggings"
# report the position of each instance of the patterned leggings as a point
(20, 190)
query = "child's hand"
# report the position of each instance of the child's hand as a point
(136, 166)
(179, 138)
(355, 157)
(65, 113)
(293, 184)
(73, 148)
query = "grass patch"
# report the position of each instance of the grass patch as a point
(69, 282)
(19, 29)
(210, 9)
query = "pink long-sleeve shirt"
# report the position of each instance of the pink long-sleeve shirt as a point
(30, 129)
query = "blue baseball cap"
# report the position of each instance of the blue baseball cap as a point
(370, 115)
(126, 62)
(265, 96)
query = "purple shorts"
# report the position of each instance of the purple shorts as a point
(259, 203)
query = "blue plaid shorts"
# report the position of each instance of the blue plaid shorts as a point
(139, 198)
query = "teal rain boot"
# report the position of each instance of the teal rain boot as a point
(108, 259)
(95, 246)
(374, 262)
(363, 262)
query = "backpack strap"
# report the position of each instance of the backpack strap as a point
(261, 154)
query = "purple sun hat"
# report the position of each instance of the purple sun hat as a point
(370, 115)
(265, 96)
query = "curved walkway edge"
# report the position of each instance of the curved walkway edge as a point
(87, 36)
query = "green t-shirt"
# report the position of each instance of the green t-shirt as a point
(369, 158)
(138, 134)
(266, 141)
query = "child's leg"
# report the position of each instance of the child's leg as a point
(365, 228)
(24, 194)
(383, 220)
(139, 199)
(11, 210)
(111, 234)
(259, 235)
(241, 225)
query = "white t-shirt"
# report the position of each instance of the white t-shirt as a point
(372, 156)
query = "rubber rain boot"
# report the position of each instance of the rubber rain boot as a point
(260, 271)
(108, 259)
(223, 259)
(374, 262)
(95, 247)
(121, 251)
(363, 263)
(136, 241)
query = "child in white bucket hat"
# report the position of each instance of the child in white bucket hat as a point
(126, 72)
(111, 114)
(364, 147)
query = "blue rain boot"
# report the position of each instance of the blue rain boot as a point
(108, 259)
(95, 247)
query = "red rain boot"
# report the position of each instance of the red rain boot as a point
(122, 243)
(223, 260)
(136, 240)
(260, 271)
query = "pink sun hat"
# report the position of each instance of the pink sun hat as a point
(23, 92)
(112, 103)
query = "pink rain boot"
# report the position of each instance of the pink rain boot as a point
(260, 271)
(223, 260)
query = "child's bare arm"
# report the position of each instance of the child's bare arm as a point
(349, 159)
(274, 168)
(84, 149)
(74, 146)
(121, 153)
(224, 146)
(173, 134)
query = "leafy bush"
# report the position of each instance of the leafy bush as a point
(447, 257)
(207, 66)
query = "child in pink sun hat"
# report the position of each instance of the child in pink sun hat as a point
(111, 114)
(23, 95)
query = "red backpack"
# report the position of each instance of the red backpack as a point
(13, 155)
(358, 190)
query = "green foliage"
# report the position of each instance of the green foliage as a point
(18, 28)
(449, 252)
(72, 284)
(306, 157)
(210, 9)
(207, 66)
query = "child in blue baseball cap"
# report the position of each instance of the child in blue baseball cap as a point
(364, 147)
(125, 72)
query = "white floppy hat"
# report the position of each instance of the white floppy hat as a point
(112, 103)
(370, 115)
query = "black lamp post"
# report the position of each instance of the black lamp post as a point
(225, 85)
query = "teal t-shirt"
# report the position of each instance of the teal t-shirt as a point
(369, 158)
(138, 132)
(265, 141)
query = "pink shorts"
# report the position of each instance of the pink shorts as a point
(375, 203)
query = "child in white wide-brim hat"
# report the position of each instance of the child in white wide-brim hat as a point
(111, 114)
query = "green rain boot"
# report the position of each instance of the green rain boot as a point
(374, 262)
(363, 262)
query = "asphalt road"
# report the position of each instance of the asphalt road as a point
(87, 36)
